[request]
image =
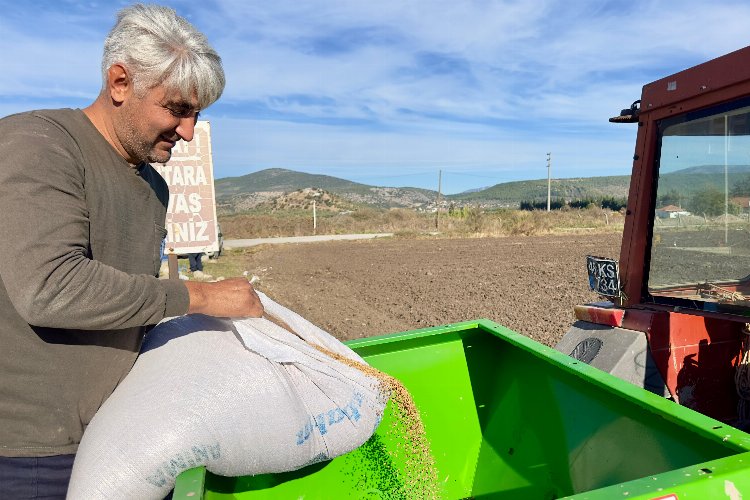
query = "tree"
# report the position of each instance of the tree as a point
(709, 201)
(741, 187)
(671, 197)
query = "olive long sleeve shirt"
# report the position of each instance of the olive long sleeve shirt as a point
(79, 255)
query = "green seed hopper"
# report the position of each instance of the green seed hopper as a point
(507, 417)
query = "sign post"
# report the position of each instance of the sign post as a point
(191, 214)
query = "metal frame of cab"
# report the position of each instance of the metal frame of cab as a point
(693, 349)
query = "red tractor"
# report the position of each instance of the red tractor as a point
(677, 320)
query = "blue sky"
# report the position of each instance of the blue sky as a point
(391, 92)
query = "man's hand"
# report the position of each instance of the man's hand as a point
(230, 298)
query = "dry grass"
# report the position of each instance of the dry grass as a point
(232, 263)
(465, 222)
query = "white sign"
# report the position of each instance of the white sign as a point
(191, 213)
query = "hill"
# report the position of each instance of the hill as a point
(512, 193)
(302, 199)
(279, 179)
(259, 188)
(276, 188)
(682, 184)
(271, 188)
(688, 181)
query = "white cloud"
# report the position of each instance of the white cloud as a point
(245, 145)
(341, 84)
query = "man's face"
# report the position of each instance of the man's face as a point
(148, 126)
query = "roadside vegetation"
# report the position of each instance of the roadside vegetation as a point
(608, 202)
(450, 222)
(232, 263)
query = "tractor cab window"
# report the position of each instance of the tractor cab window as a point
(700, 245)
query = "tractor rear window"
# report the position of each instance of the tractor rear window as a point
(700, 247)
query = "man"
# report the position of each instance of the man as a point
(84, 217)
(196, 265)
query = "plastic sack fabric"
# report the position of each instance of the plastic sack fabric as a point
(241, 397)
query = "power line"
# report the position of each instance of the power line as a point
(428, 174)
(461, 174)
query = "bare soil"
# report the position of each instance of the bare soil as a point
(698, 256)
(362, 288)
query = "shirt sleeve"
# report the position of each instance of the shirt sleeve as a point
(44, 251)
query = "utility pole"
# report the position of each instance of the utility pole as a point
(315, 219)
(726, 180)
(437, 202)
(549, 180)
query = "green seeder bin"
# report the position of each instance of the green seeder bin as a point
(507, 417)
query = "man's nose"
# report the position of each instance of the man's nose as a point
(186, 128)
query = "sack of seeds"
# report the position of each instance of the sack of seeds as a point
(242, 397)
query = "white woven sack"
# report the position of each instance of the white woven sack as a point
(240, 397)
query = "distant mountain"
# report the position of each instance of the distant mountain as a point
(469, 191)
(713, 170)
(279, 179)
(251, 190)
(272, 187)
(512, 193)
(691, 180)
(278, 187)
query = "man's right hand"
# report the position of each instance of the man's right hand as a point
(230, 298)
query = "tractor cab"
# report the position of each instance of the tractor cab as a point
(679, 295)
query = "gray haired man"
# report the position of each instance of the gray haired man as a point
(84, 218)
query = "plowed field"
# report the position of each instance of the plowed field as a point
(363, 288)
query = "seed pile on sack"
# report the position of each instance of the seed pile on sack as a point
(418, 478)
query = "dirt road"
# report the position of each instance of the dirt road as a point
(243, 243)
(362, 288)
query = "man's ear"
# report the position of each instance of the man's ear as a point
(119, 83)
